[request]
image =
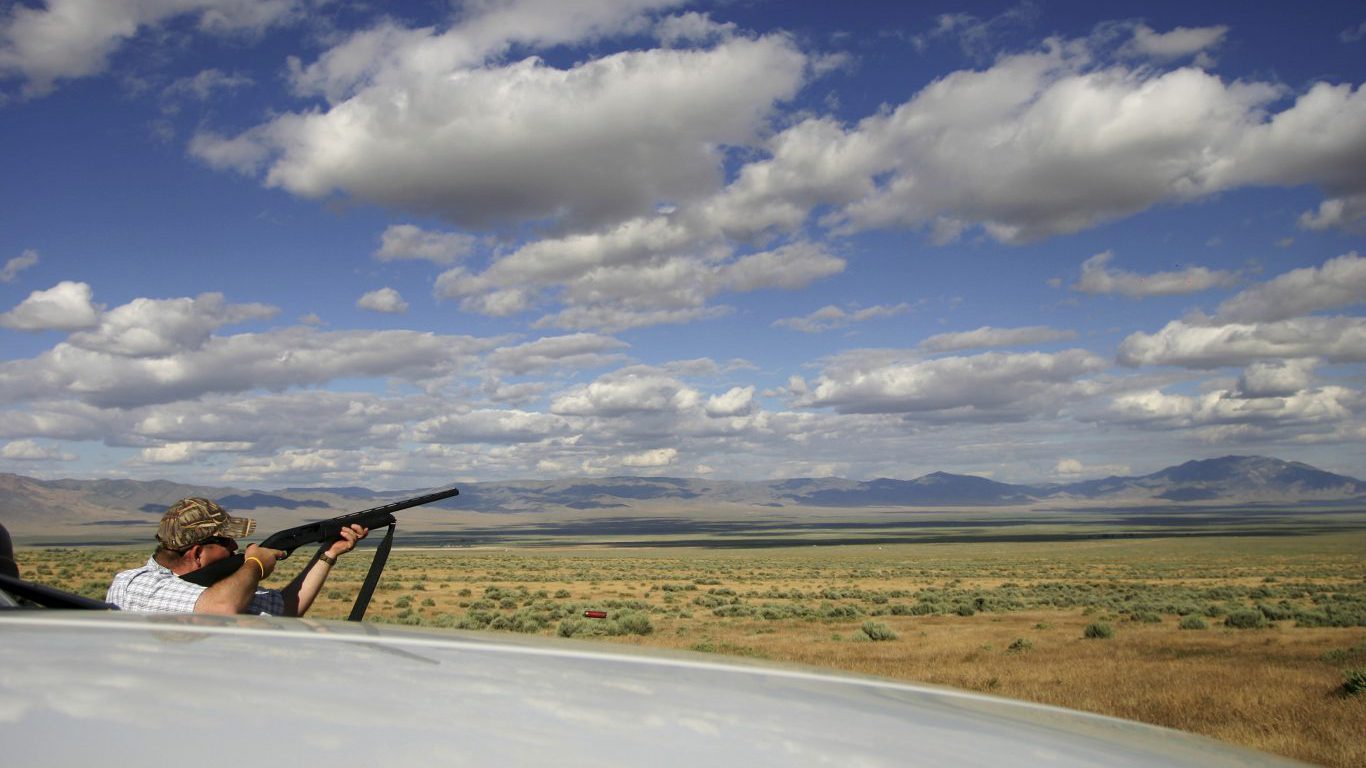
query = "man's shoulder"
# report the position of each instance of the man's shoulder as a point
(151, 566)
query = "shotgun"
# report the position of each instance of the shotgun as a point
(321, 532)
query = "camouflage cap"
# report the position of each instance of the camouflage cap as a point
(195, 520)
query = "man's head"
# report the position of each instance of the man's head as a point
(195, 532)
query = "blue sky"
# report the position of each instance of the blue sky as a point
(299, 242)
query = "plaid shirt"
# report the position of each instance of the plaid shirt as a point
(154, 589)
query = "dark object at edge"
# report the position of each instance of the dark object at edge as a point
(45, 596)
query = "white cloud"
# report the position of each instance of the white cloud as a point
(1074, 469)
(737, 401)
(1347, 213)
(188, 452)
(1097, 277)
(1046, 143)
(385, 300)
(1183, 343)
(18, 264)
(692, 28)
(1323, 407)
(322, 465)
(69, 39)
(28, 450)
(659, 457)
(1340, 282)
(791, 266)
(630, 390)
(1281, 378)
(491, 426)
(160, 327)
(831, 317)
(405, 241)
(577, 351)
(1277, 151)
(268, 422)
(986, 337)
(614, 319)
(991, 382)
(418, 125)
(641, 272)
(1178, 43)
(66, 306)
(275, 360)
(1267, 322)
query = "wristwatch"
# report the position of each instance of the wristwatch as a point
(326, 558)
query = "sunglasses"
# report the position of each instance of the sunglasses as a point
(222, 541)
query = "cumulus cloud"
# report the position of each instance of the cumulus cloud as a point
(577, 351)
(275, 360)
(490, 426)
(68, 39)
(1097, 277)
(418, 122)
(642, 272)
(1073, 469)
(1175, 44)
(737, 401)
(831, 317)
(385, 300)
(1199, 345)
(1346, 213)
(659, 457)
(188, 452)
(269, 422)
(435, 122)
(1276, 378)
(405, 241)
(28, 450)
(1047, 143)
(66, 306)
(630, 390)
(18, 264)
(1339, 282)
(1269, 321)
(1325, 407)
(990, 382)
(987, 336)
(160, 327)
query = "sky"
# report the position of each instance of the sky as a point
(278, 243)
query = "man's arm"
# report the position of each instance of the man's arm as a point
(233, 594)
(300, 593)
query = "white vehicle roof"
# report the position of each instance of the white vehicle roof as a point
(81, 688)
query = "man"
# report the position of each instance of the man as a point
(195, 532)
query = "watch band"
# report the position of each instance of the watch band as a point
(326, 558)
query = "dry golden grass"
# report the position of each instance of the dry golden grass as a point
(1275, 688)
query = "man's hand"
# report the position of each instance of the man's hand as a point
(349, 536)
(266, 557)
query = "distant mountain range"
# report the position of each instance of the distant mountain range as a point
(30, 504)
(1228, 479)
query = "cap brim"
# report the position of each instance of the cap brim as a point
(237, 527)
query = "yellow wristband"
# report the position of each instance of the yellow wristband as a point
(260, 565)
